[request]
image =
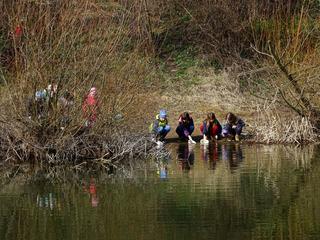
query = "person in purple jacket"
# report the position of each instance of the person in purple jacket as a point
(185, 127)
(233, 127)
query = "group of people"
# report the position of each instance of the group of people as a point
(44, 101)
(210, 127)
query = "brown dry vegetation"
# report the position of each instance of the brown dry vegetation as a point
(76, 45)
(243, 56)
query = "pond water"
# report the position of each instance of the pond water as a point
(224, 191)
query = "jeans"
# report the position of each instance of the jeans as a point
(163, 131)
(228, 130)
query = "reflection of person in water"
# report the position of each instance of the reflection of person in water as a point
(204, 152)
(233, 154)
(92, 190)
(210, 154)
(162, 170)
(46, 201)
(185, 156)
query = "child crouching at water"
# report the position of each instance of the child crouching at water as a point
(210, 128)
(185, 127)
(233, 127)
(160, 127)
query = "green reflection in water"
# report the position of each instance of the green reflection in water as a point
(221, 192)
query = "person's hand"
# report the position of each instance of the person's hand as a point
(159, 144)
(191, 140)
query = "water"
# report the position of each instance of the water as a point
(228, 191)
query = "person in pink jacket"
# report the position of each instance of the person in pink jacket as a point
(90, 107)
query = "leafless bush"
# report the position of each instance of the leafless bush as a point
(270, 126)
(75, 45)
(81, 154)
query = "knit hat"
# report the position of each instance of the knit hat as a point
(93, 91)
(41, 94)
(163, 113)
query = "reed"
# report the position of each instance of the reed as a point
(270, 126)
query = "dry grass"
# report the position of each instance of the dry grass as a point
(214, 92)
(272, 126)
(112, 45)
(266, 120)
(75, 45)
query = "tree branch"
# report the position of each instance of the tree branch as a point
(293, 81)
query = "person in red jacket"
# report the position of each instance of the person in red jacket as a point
(211, 128)
(90, 107)
(18, 31)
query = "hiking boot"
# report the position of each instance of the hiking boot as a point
(237, 138)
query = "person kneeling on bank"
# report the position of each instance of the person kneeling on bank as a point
(233, 127)
(211, 128)
(160, 127)
(185, 127)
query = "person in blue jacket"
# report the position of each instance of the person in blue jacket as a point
(160, 127)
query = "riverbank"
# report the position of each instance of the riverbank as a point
(80, 152)
(121, 137)
(221, 92)
(140, 59)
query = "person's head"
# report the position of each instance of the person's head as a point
(52, 88)
(68, 96)
(185, 117)
(162, 114)
(211, 117)
(93, 91)
(40, 95)
(231, 118)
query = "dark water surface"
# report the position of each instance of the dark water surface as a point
(227, 191)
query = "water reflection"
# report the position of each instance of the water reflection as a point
(162, 169)
(214, 152)
(185, 156)
(210, 154)
(233, 154)
(47, 200)
(254, 192)
(91, 190)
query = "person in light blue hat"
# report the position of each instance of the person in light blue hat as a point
(160, 127)
(36, 105)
